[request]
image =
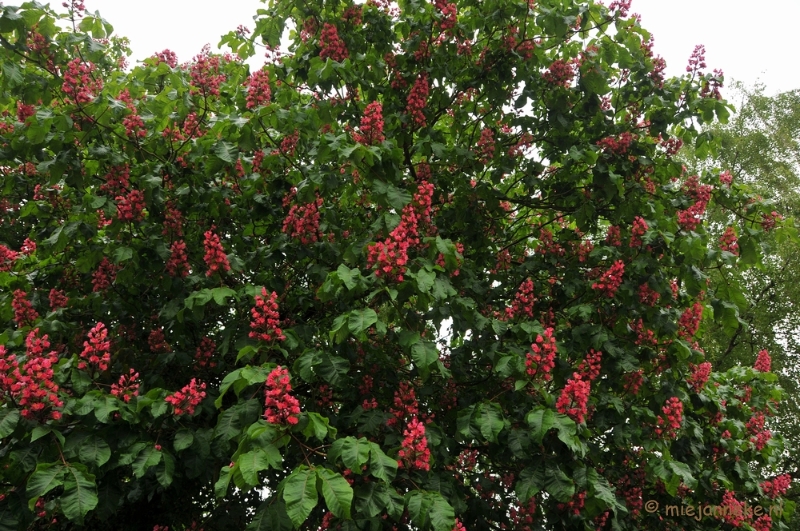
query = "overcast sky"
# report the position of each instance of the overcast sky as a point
(748, 41)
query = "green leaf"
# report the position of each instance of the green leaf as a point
(442, 515)
(80, 493)
(381, 465)
(489, 420)
(360, 320)
(318, 426)
(419, 508)
(348, 276)
(371, 498)
(558, 483)
(337, 492)
(220, 294)
(530, 483)
(355, 452)
(46, 477)
(183, 440)
(253, 462)
(148, 457)
(226, 151)
(94, 451)
(229, 424)
(104, 407)
(424, 354)
(9, 418)
(300, 494)
(165, 470)
(425, 280)
(122, 254)
(540, 420)
(221, 486)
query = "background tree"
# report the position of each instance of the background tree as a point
(435, 267)
(759, 147)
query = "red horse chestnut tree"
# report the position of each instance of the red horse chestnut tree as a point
(431, 265)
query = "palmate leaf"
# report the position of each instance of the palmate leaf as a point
(337, 492)
(300, 494)
(46, 477)
(94, 451)
(9, 418)
(80, 493)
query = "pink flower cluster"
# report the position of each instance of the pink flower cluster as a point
(258, 90)
(448, 11)
(79, 84)
(611, 280)
(127, 387)
(728, 242)
(215, 257)
(58, 299)
(205, 352)
(28, 247)
(302, 222)
(104, 276)
(763, 361)
(96, 349)
(281, 407)
(178, 263)
(560, 73)
(690, 218)
(417, 100)
(167, 56)
(639, 229)
(205, 73)
(331, 45)
(648, 295)
(187, 399)
(157, 342)
(485, 147)
(391, 255)
(24, 314)
(264, 325)
(769, 220)
(699, 376)
(542, 360)
(614, 236)
(589, 368)
(7, 258)
(523, 300)
(619, 145)
(669, 424)
(405, 405)
(777, 486)
(414, 452)
(32, 387)
(130, 207)
(574, 398)
(371, 126)
(689, 323)
(633, 381)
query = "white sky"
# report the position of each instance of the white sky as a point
(748, 41)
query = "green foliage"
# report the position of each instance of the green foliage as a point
(436, 265)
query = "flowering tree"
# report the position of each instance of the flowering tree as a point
(434, 267)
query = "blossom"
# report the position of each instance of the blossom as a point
(265, 323)
(371, 125)
(611, 280)
(258, 90)
(331, 45)
(669, 424)
(127, 386)
(417, 100)
(763, 361)
(281, 407)
(215, 257)
(541, 360)
(414, 452)
(96, 349)
(187, 399)
(574, 398)
(24, 314)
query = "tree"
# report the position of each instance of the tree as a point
(759, 148)
(436, 267)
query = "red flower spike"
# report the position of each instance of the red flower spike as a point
(763, 361)
(96, 349)
(264, 325)
(574, 398)
(280, 407)
(187, 399)
(215, 256)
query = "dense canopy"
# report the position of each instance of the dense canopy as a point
(432, 266)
